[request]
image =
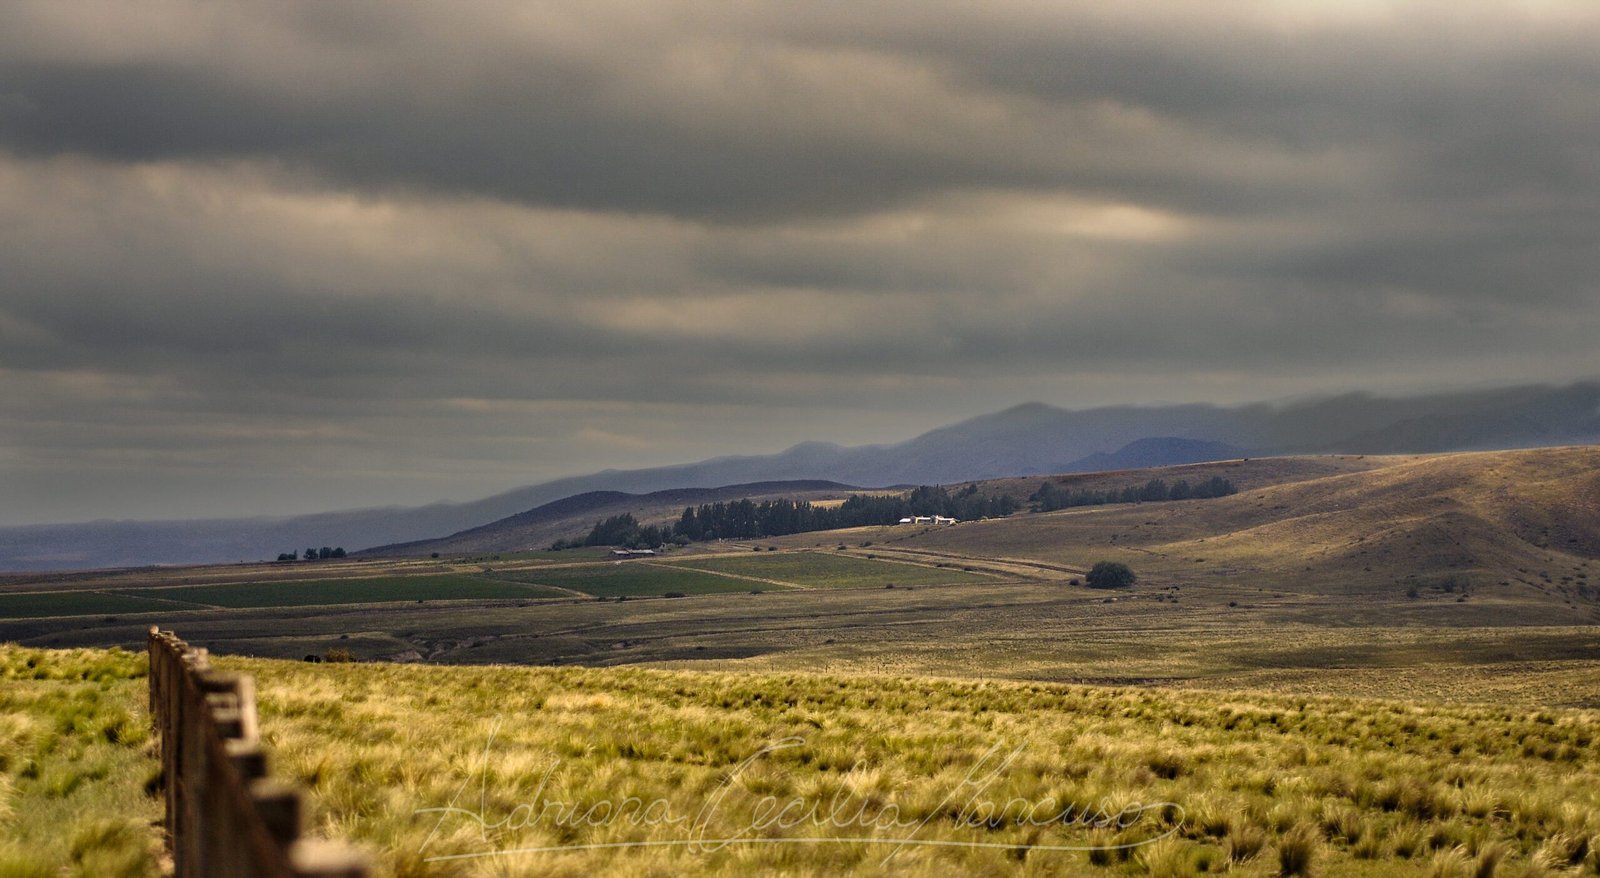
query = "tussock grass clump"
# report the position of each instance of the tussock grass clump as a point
(1246, 842)
(1298, 852)
(75, 762)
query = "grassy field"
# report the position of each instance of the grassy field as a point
(290, 593)
(634, 579)
(29, 605)
(352, 591)
(822, 570)
(607, 771)
(138, 579)
(77, 772)
(572, 771)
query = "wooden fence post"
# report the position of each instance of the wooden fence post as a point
(223, 816)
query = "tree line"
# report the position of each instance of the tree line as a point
(1052, 496)
(747, 519)
(314, 554)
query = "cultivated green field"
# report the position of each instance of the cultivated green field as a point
(352, 591)
(289, 593)
(633, 579)
(31, 605)
(821, 570)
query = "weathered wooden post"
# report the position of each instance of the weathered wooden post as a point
(224, 817)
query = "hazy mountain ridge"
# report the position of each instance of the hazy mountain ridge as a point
(1155, 451)
(1029, 439)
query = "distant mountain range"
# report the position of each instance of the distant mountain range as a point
(1026, 440)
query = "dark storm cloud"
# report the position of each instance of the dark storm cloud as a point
(742, 115)
(376, 95)
(442, 248)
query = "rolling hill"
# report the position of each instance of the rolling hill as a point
(1515, 530)
(1444, 576)
(572, 516)
(1024, 440)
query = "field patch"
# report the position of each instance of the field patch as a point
(380, 589)
(820, 570)
(634, 579)
(33, 605)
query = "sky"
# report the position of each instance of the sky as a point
(276, 257)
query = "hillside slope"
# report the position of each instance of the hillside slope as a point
(1024, 440)
(1518, 528)
(572, 517)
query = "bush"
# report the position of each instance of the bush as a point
(338, 654)
(1110, 574)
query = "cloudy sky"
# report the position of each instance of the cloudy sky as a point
(291, 256)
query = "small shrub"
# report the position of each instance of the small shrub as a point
(1110, 574)
(338, 654)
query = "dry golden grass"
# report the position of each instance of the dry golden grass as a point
(1258, 783)
(1521, 526)
(77, 766)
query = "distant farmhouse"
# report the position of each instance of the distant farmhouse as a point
(928, 519)
(629, 553)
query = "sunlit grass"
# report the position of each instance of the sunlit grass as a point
(77, 765)
(1261, 784)
(1265, 783)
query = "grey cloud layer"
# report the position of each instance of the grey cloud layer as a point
(734, 111)
(273, 237)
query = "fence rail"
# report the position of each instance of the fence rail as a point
(224, 817)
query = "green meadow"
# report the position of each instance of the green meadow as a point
(634, 579)
(822, 570)
(352, 591)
